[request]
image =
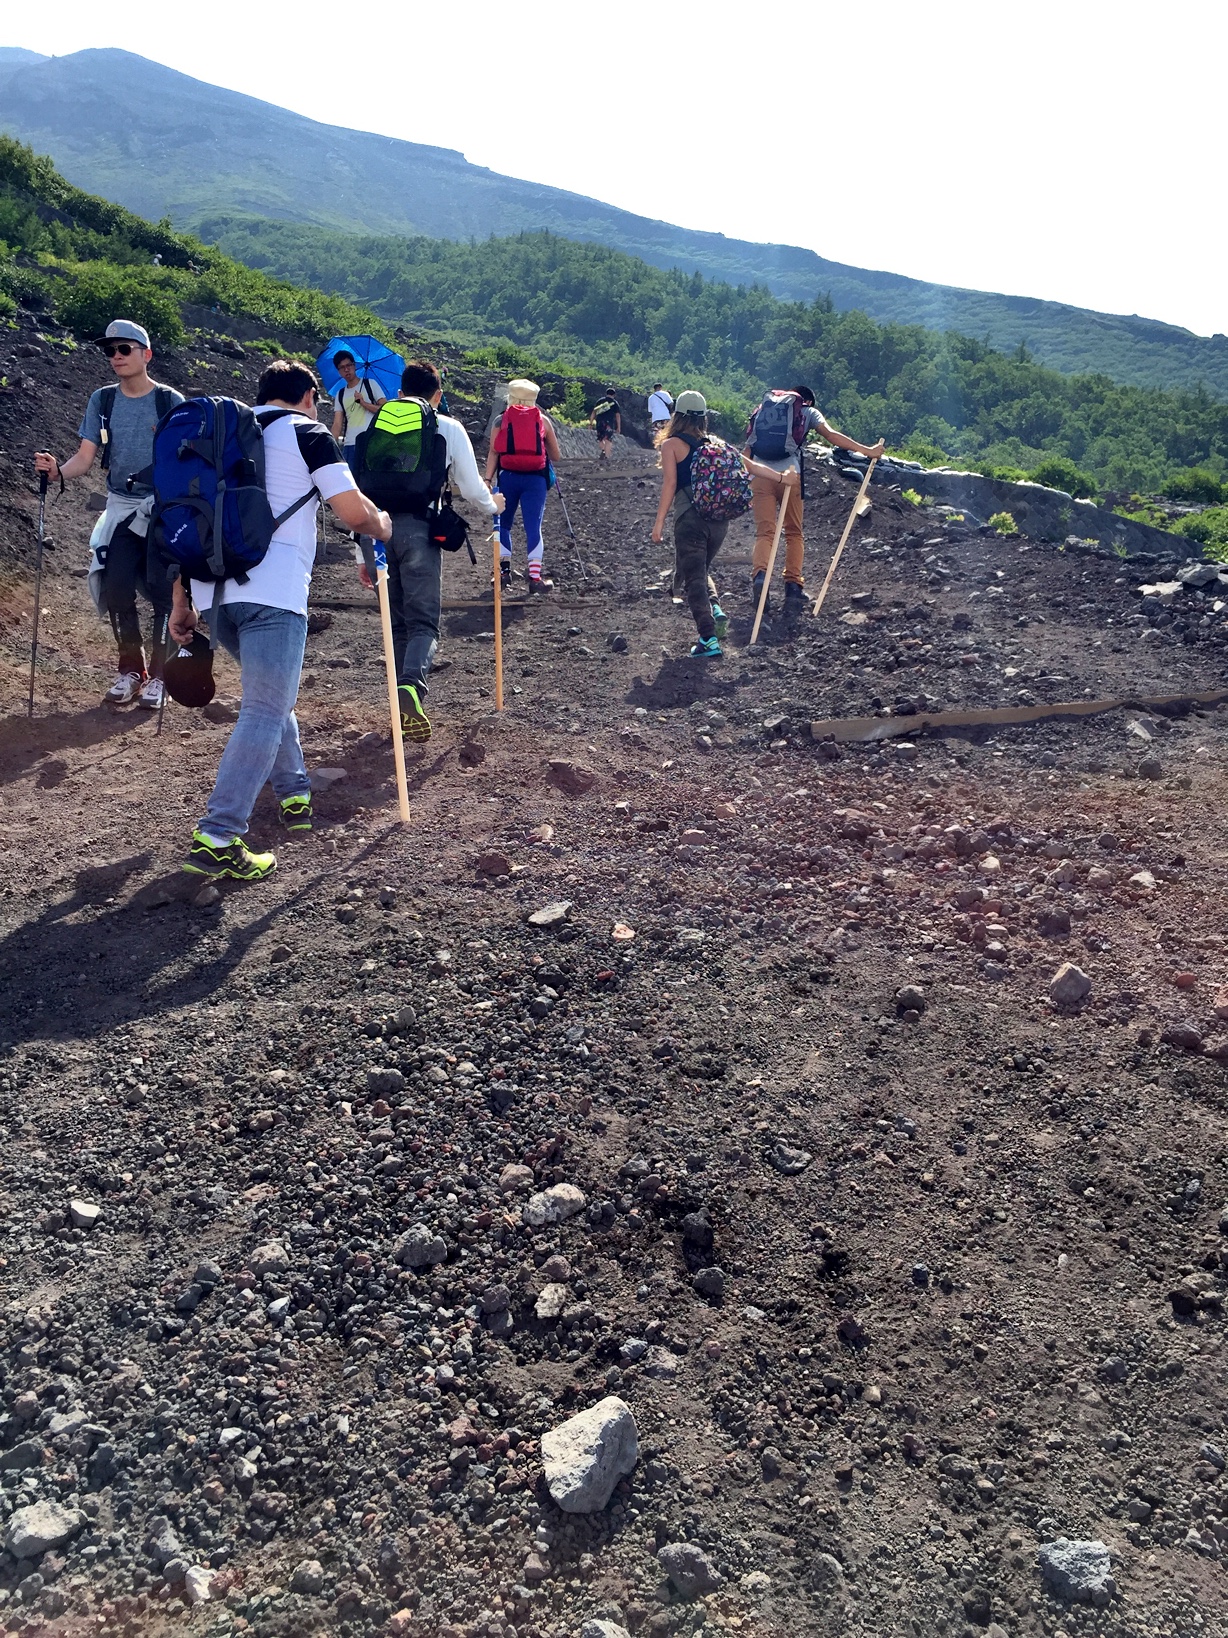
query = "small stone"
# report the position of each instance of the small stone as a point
(493, 864)
(788, 1160)
(551, 915)
(308, 1577)
(418, 1247)
(219, 710)
(208, 895)
(270, 1258)
(20, 1458)
(1220, 1004)
(551, 1301)
(196, 1585)
(385, 1080)
(26, 1406)
(910, 998)
(597, 1628)
(572, 777)
(689, 1568)
(1114, 1368)
(554, 1205)
(586, 1456)
(1077, 1571)
(514, 1178)
(279, 953)
(1069, 985)
(710, 1282)
(323, 778)
(161, 1543)
(1186, 1037)
(496, 1299)
(44, 1524)
(1144, 881)
(1151, 768)
(1214, 1455)
(84, 1215)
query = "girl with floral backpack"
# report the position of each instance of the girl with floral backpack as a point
(707, 483)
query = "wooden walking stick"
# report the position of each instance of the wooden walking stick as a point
(498, 623)
(861, 495)
(390, 669)
(771, 564)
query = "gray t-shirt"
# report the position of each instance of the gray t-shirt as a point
(132, 427)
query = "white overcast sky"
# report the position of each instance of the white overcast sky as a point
(1071, 149)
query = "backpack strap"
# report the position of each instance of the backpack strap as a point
(295, 506)
(217, 557)
(163, 402)
(106, 409)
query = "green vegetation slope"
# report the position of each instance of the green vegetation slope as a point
(183, 148)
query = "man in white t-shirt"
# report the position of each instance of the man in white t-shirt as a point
(263, 624)
(355, 406)
(660, 407)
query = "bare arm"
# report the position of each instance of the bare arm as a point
(352, 508)
(338, 420)
(73, 467)
(843, 441)
(669, 485)
(550, 438)
(618, 425)
(757, 470)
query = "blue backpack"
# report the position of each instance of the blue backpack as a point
(211, 518)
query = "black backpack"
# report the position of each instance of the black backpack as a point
(402, 457)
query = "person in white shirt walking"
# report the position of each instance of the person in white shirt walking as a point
(660, 407)
(415, 565)
(355, 406)
(262, 622)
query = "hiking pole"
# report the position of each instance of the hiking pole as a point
(498, 583)
(771, 564)
(38, 582)
(166, 625)
(380, 560)
(558, 489)
(848, 528)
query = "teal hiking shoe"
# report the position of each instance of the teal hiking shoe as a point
(720, 618)
(295, 812)
(707, 648)
(233, 859)
(415, 724)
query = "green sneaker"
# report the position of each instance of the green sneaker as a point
(295, 812)
(234, 859)
(415, 724)
(720, 618)
(707, 648)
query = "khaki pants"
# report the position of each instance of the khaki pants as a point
(768, 495)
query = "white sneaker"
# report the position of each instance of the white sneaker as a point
(124, 689)
(151, 693)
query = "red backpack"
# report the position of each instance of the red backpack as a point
(518, 442)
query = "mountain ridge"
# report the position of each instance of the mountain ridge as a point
(275, 163)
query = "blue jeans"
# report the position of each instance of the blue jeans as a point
(526, 490)
(263, 745)
(415, 592)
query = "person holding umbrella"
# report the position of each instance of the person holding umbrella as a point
(356, 404)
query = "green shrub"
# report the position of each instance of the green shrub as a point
(26, 286)
(1209, 529)
(912, 497)
(1194, 484)
(1139, 509)
(1004, 523)
(573, 409)
(98, 292)
(1059, 472)
(922, 449)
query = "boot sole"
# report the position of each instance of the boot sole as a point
(227, 873)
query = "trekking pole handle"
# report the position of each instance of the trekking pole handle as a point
(42, 482)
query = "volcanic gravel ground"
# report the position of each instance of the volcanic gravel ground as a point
(971, 1258)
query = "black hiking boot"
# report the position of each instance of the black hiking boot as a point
(756, 592)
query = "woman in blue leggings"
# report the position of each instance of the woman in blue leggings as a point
(521, 449)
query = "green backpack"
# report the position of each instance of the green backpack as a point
(402, 457)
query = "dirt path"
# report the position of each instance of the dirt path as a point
(972, 1264)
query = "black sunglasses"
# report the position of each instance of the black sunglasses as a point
(121, 347)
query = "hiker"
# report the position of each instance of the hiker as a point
(353, 414)
(415, 566)
(607, 421)
(521, 450)
(774, 437)
(698, 538)
(120, 420)
(660, 408)
(262, 622)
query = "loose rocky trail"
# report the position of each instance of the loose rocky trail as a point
(971, 1257)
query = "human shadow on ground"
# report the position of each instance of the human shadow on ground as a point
(681, 682)
(72, 973)
(24, 741)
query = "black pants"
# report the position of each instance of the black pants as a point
(696, 542)
(415, 592)
(132, 565)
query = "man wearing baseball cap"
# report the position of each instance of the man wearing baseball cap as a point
(120, 420)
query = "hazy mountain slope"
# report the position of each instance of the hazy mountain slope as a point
(185, 147)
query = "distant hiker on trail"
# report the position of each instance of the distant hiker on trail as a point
(521, 450)
(355, 405)
(703, 501)
(777, 431)
(660, 407)
(120, 420)
(440, 452)
(607, 419)
(262, 622)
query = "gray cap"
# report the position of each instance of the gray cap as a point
(691, 403)
(126, 330)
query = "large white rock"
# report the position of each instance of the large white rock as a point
(33, 1530)
(594, 1628)
(587, 1455)
(1069, 985)
(554, 1205)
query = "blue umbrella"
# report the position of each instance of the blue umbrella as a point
(372, 359)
